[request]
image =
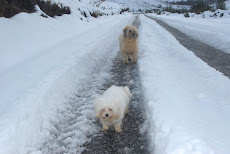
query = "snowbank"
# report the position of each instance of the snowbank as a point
(188, 101)
(135, 5)
(206, 28)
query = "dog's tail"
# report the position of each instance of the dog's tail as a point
(126, 89)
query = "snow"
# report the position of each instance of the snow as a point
(109, 7)
(50, 65)
(227, 4)
(188, 101)
(43, 61)
(213, 31)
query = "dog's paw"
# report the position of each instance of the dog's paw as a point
(118, 130)
(105, 128)
(134, 62)
(125, 61)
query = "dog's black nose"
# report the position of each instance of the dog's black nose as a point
(106, 115)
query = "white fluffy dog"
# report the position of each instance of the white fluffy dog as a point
(129, 44)
(111, 107)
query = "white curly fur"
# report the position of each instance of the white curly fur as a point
(111, 107)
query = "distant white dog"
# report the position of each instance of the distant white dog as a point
(129, 44)
(111, 107)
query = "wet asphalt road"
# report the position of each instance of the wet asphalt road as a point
(212, 56)
(133, 139)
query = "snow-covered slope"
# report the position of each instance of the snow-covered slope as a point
(136, 5)
(84, 9)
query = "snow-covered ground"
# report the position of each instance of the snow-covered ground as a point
(135, 5)
(43, 61)
(188, 101)
(142, 6)
(213, 31)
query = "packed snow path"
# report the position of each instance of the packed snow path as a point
(212, 56)
(79, 114)
(133, 139)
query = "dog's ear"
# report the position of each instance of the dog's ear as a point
(125, 31)
(136, 34)
(98, 114)
(97, 108)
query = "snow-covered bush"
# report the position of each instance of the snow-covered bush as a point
(186, 15)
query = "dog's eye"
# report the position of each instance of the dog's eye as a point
(103, 110)
(130, 31)
(110, 109)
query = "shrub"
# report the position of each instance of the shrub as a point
(173, 10)
(148, 11)
(53, 9)
(222, 14)
(220, 4)
(186, 15)
(9, 8)
(199, 7)
(124, 10)
(95, 14)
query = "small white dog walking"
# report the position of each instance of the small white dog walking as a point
(111, 107)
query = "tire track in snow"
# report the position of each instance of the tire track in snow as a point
(212, 56)
(134, 138)
(78, 124)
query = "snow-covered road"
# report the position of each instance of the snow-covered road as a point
(47, 91)
(212, 31)
(215, 58)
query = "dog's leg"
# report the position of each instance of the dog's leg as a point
(125, 59)
(134, 59)
(105, 128)
(126, 110)
(118, 127)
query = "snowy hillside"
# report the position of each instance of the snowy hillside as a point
(84, 9)
(136, 5)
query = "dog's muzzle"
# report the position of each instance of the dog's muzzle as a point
(133, 35)
(106, 115)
